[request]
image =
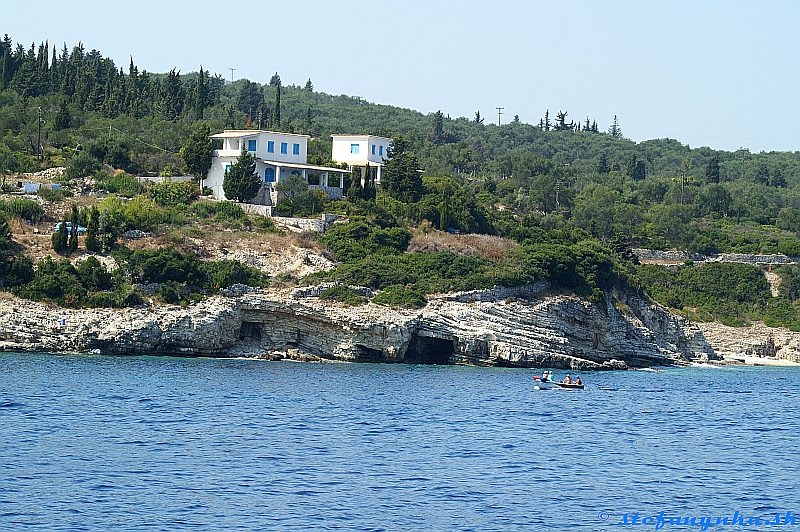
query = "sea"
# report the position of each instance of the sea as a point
(161, 443)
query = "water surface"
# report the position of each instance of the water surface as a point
(147, 443)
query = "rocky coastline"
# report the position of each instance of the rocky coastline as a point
(530, 327)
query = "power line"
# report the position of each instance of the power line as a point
(499, 112)
(232, 69)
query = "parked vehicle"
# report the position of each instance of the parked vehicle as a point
(57, 228)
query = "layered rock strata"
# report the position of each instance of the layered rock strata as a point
(531, 327)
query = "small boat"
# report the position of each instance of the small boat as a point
(570, 385)
(544, 381)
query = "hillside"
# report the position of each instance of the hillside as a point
(580, 186)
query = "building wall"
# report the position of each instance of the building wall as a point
(341, 152)
(233, 147)
(216, 174)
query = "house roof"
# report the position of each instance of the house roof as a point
(360, 137)
(303, 166)
(239, 133)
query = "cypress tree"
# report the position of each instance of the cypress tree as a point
(59, 238)
(276, 111)
(72, 244)
(356, 191)
(92, 241)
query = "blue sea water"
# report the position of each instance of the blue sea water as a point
(148, 443)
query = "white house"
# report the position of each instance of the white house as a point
(360, 150)
(278, 156)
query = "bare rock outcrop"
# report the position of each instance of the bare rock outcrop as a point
(756, 340)
(529, 328)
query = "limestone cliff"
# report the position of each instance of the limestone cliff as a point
(529, 328)
(755, 340)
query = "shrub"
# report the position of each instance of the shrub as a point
(17, 272)
(53, 196)
(118, 183)
(400, 296)
(22, 208)
(343, 294)
(224, 273)
(81, 165)
(172, 194)
(360, 238)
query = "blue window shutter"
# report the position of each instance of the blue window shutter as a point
(251, 145)
(354, 148)
(380, 151)
(296, 149)
(284, 148)
(227, 169)
(271, 146)
(373, 149)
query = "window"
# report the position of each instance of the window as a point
(295, 149)
(380, 151)
(251, 145)
(269, 175)
(373, 149)
(271, 146)
(284, 148)
(354, 149)
(227, 169)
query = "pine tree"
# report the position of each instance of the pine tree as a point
(615, 130)
(400, 177)
(309, 86)
(63, 118)
(242, 183)
(602, 164)
(436, 134)
(712, 170)
(478, 117)
(107, 236)
(196, 152)
(547, 120)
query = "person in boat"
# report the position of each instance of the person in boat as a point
(578, 381)
(567, 379)
(547, 376)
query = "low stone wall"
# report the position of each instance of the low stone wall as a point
(666, 256)
(262, 210)
(307, 224)
(747, 258)
(332, 192)
(657, 255)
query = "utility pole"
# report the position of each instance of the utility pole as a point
(499, 112)
(743, 150)
(232, 71)
(39, 136)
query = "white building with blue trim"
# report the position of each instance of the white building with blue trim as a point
(360, 151)
(278, 156)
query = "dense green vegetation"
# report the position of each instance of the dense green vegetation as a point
(575, 197)
(374, 257)
(181, 277)
(557, 173)
(731, 293)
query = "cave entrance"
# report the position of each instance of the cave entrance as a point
(430, 350)
(250, 329)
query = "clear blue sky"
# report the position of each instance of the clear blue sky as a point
(715, 73)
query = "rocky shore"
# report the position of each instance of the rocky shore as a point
(532, 327)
